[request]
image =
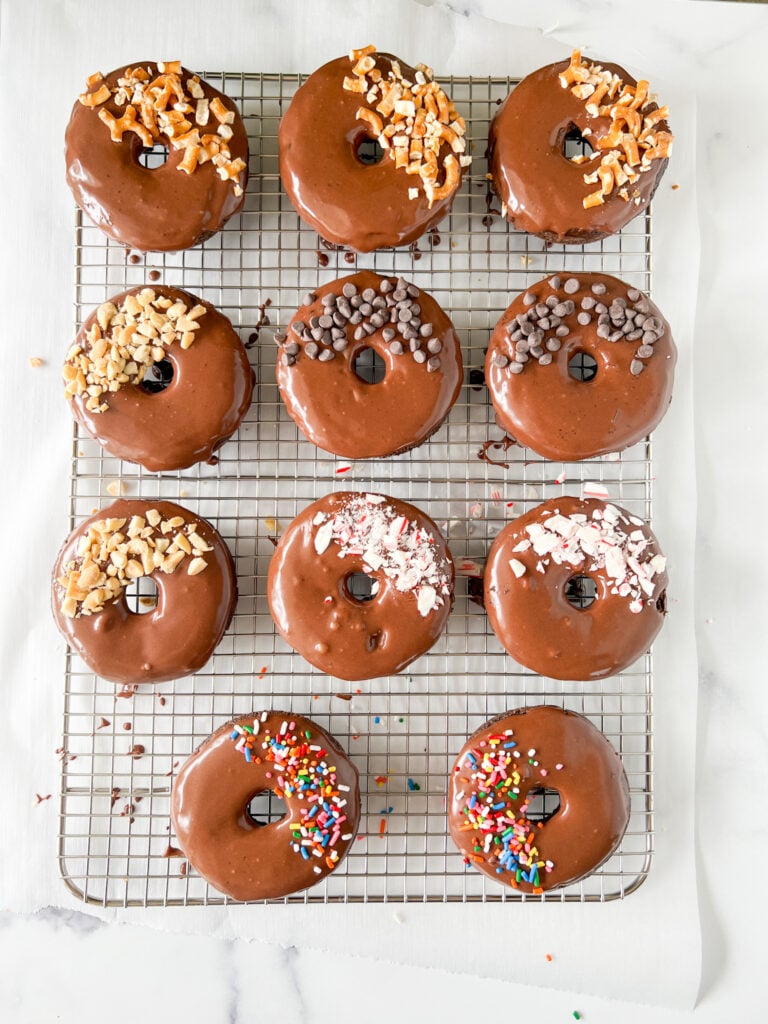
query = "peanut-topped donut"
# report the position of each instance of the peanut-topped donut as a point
(494, 785)
(580, 365)
(320, 379)
(361, 584)
(576, 589)
(159, 377)
(197, 189)
(196, 591)
(302, 765)
(371, 151)
(585, 197)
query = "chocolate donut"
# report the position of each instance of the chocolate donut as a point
(302, 765)
(117, 375)
(499, 773)
(585, 197)
(551, 554)
(371, 151)
(317, 369)
(580, 365)
(198, 188)
(196, 591)
(322, 557)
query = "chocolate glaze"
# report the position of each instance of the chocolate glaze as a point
(565, 419)
(343, 414)
(162, 209)
(209, 806)
(179, 635)
(349, 203)
(202, 406)
(542, 189)
(344, 637)
(537, 625)
(594, 794)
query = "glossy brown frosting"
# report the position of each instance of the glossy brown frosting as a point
(570, 756)
(210, 816)
(202, 406)
(179, 635)
(342, 413)
(162, 209)
(541, 629)
(361, 206)
(566, 419)
(543, 191)
(315, 613)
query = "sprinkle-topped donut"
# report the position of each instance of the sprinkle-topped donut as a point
(587, 196)
(319, 375)
(576, 589)
(372, 151)
(580, 365)
(345, 539)
(492, 794)
(189, 197)
(301, 764)
(196, 591)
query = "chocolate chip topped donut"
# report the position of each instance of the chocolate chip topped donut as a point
(322, 382)
(538, 798)
(159, 377)
(580, 365)
(196, 591)
(186, 199)
(271, 751)
(361, 584)
(372, 151)
(587, 196)
(576, 589)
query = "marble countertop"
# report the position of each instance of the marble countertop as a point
(59, 963)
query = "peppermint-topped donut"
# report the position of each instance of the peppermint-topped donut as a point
(322, 384)
(494, 787)
(372, 151)
(580, 365)
(576, 589)
(584, 197)
(361, 584)
(186, 199)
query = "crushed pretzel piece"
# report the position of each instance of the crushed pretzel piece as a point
(95, 99)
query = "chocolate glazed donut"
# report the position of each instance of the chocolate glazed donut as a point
(579, 366)
(327, 551)
(543, 191)
(320, 383)
(256, 753)
(531, 750)
(209, 392)
(166, 208)
(576, 589)
(195, 602)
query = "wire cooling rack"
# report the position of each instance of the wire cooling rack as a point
(121, 749)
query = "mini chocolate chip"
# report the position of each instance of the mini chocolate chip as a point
(527, 328)
(636, 367)
(601, 308)
(640, 319)
(521, 357)
(338, 319)
(308, 299)
(500, 360)
(349, 290)
(356, 317)
(288, 360)
(515, 367)
(369, 328)
(326, 321)
(415, 309)
(627, 327)
(365, 308)
(317, 333)
(356, 301)
(560, 309)
(414, 344)
(571, 286)
(420, 356)
(434, 345)
(516, 335)
(616, 336)
(545, 359)
(338, 332)
(542, 309)
(399, 294)
(329, 299)
(554, 283)
(604, 331)
(385, 286)
(404, 315)
(563, 331)
(369, 295)
(522, 345)
(279, 337)
(326, 355)
(340, 344)
(634, 335)
(388, 334)
(311, 350)
(584, 319)
(359, 333)
(553, 344)
(650, 337)
(552, 301)
(587, 302)
(545, 323)
(536, 351)
(292, 348)
(396, 348)
(433, 364)
(377, 320)
(314, 321)
(643, 305)
(598, 288)
(426, 330)
(644, 352)
(653, 324)
(633, 294)
(379, 302)
(298, 326)
(528, 299)
(413, 291)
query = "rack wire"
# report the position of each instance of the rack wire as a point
(121, 748)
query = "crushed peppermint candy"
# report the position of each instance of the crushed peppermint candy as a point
(367, 526)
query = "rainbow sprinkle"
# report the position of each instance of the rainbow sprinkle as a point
(300, 770)
(506, 835)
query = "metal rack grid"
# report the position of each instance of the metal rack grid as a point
(114, 826)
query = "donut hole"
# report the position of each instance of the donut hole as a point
(369, 366)
(153, 157)
(368, 151)
(141, 595)
(543, 803)
(157, 377)
(360, 587)
(574, 143)
(582, 366)
(264, 808)
(580, 592)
